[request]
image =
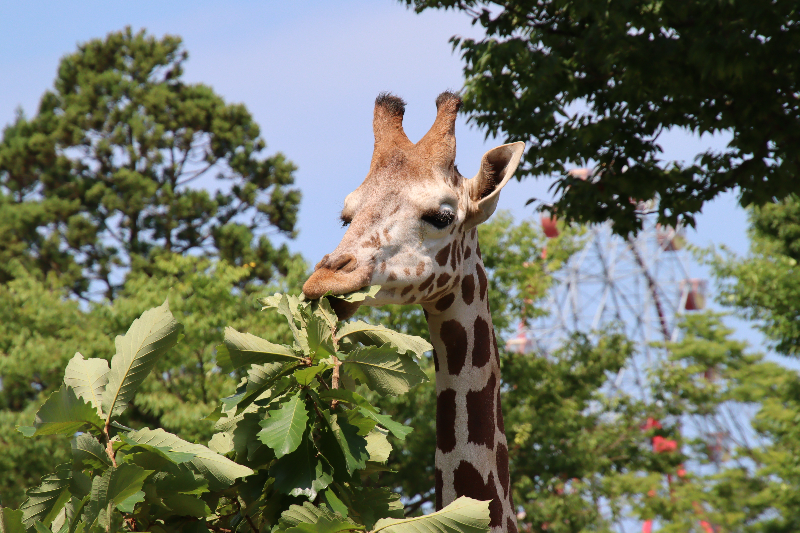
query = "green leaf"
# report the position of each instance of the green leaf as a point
(88, 378)
(308, 513)
(217, 469)
(378, 446)
(11, 521)
(186, 505)
(334, 502)
(246, 349)
(320, 343)
(284, 428)
(324, 525)
(128, 504)
(111, 489)
(41, 528)
(63, 413)
(374, 335)
(288, 307)
(373, 503)
(352, 445)
(166, 452)
(344, 395)
(305, 376)
(45, 501)
(150, 335)
(300, 473)
(383, 369)
(398, 430)
(464, 515)
(360, 295)
(87, 450)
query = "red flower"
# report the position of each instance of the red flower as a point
(651, 423)
(661, 445)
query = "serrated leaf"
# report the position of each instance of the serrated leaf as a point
(352, 445)
(383, 369)
(128, 504)
(360, 295)
(221, 443)
(324, 525)
(247, 349)
(305, 376)
(398, 430)
(150, 335)
(45, 501)
(186, 505)
(464, 515)
(308, 513)
(335, 503)
(40, 528)
(109, 490)
(88, 377)
(288, 307)
(11, 521)
(217, 469)
(347, 396)
(300, 473)
(375, 335)
(322, 308)
(64, 413)
(284, 428)
(378, 446)
(320, 343)
(166, 452)
(372, 503)
(87, 450)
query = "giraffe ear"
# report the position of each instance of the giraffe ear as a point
(497, 167)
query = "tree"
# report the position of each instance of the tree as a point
(765, 286)
(100, 180)
(586, 82)
(96, 193)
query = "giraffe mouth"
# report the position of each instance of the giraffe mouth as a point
(343, 309)
(325, 280)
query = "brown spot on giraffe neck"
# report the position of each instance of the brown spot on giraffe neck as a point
(445, 302)
(441, 255)
(502, 466)
(467, 252)
(446, 420)
(439, 485)
(427, 283)
(482, 281)
(468, 289)
(467, 481)
(444, 277)
(454, 338)
(408, 289)
(420, 268)
(482, 345)
(480, 414)
(391, 277)
(500, 423)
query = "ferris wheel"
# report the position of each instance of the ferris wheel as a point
(640, 285)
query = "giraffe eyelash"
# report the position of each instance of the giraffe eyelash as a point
(344, 220)
(439, 219)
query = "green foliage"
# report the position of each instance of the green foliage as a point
(587, 82)
(100, 180)
(294, 432)
(765, 287)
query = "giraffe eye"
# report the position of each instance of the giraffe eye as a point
(439, 219)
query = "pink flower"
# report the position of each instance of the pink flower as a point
(661, 445)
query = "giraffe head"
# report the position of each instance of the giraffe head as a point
(408, 221)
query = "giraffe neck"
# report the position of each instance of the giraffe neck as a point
(471, 448)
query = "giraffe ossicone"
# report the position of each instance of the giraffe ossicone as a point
(412, 230)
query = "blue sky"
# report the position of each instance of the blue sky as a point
(309, 73)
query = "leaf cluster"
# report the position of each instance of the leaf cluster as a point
(596, 83)
(295, 446)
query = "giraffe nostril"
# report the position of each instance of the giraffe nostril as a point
(344, 263)
(323, 262)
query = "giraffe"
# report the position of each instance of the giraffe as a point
(412, 230)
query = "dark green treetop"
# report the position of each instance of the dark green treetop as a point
(102, 178)
(595, 83)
